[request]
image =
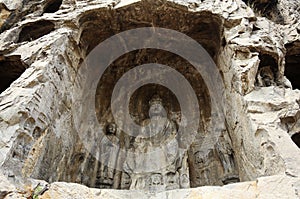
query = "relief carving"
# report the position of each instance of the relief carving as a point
(226, 155)
(265, 77)
(109, 156)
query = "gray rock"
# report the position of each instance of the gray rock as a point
(57, 123)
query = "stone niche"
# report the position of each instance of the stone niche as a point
(267, 71)
(54, 159)
(213, 165)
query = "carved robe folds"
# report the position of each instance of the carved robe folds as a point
(155, 163)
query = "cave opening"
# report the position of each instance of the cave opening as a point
(197, 167)
(296, 139)
(36, 30)
(267, 71)
(11, 68)
(53, 6)
(213, 164)
(292, 61)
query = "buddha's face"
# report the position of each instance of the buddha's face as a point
(156, 109)
(198, 158)
(111, 129)
(156, 179)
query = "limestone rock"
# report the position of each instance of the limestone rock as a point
(266, 187)
(57, 120)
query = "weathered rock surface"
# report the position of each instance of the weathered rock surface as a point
(266, 187)
(255, 46)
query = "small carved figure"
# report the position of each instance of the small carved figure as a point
(183, 135)
(156, 183)
(184, 181)
(202, 160)
(183, 170)
(265, 77)
(155, 179)
(225, 152)
(199, 158)
(111, 129)
(172, 181)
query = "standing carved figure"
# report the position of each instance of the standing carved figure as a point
(203, 161)
(109, 154)
(225, 153)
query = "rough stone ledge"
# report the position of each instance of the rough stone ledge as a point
(277, 186)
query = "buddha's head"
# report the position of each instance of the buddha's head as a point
(156, 106)
(111, 129)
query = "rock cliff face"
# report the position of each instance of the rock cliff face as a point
(246, 143)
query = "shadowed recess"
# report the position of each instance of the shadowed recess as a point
(296, 139)
(292, 64)
(52, 6)
(10, 69)
(266, 8)
(35, 30)
(139, 101)
(198, 26)
(267, 71)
